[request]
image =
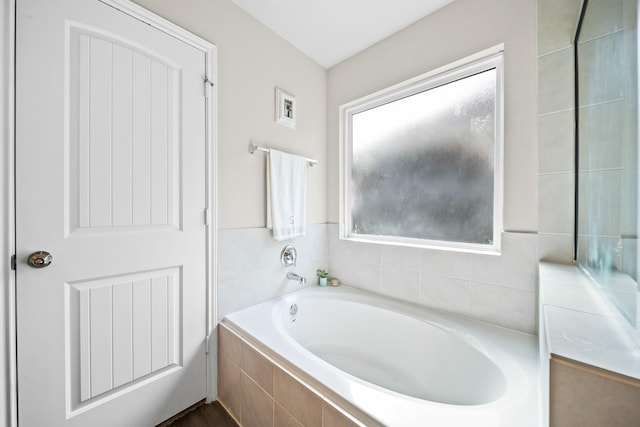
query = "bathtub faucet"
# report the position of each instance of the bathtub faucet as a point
(293, 276)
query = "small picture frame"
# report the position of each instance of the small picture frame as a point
(285, 108)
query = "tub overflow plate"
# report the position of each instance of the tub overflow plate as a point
(293, 310)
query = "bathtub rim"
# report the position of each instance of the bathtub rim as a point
(523, 344)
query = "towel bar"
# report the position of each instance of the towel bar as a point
(253, 148)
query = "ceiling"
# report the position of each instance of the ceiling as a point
(330, 31)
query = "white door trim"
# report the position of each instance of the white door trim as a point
(8, 395)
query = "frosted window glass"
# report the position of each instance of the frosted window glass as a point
(423, 166)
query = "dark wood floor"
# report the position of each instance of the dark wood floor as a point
(202, 415)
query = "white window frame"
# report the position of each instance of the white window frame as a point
(488, 59)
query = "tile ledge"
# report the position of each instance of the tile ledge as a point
(614, 350)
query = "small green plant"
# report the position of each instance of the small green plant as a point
(322, 273)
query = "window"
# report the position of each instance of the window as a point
(422, 161)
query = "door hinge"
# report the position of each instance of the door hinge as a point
(208, 85)
(206, 344)
(13, 262)
(207, 217)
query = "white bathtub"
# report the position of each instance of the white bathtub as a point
(398, 363)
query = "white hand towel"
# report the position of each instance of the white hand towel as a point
(286, 194)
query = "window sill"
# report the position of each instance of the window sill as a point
(426, 244)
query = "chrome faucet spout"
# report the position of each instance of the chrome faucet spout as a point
(293, 276)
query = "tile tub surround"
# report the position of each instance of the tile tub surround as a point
(500, 290)
(556, 26)
(582, 396)
(581, 325)
(590, 365)
(249, 269)
(257, 390)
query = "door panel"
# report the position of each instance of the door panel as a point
(123, 328)
(110, 178)
(123, 98)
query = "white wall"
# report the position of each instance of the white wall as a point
(253, 60)
(457, 30)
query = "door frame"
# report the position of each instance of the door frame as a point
(8, 332)
(8, 393)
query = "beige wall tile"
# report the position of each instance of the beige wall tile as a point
(299, 401)
(445, 293)
(515, 268)
(282, 418)
(445, 263)
(331, 417)
(257, 406)
(511, 308)
(273, 282)
(400, 283)
(229, 344)
(556, 24)
(557, 140)
(338, 247)
(556, 27)
(343, 270)
(555, 81)
(581, 398)
(555, 248)
(367, 253)
(241, 252)
(229, 391)
(365, 276)
(258, 368)
(556, 203)
(237, 293)
(250, 269)
(401, 256)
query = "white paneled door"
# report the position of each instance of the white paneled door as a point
(110, 180)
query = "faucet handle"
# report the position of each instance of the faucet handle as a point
(288, 256)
